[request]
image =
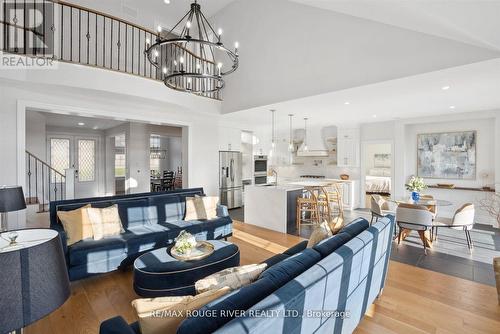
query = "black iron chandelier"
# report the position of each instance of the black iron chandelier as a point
(195, 60)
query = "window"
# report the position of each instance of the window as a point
(59, 155)
(156, 154)
(86, 160)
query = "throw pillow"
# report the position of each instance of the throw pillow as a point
(209, 204)
(336, 224)
(164, 314)
(105, 222)
(76, 224)
(321, 232)
(194, 211)
(233, 278)
(201, 207)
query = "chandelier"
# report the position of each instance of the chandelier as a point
(195, 60)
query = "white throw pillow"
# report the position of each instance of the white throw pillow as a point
(234, 278)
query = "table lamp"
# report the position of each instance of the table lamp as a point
(33, 277)
(11, 199)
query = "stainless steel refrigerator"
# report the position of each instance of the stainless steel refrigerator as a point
(230, 179)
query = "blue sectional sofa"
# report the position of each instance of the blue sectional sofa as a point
(324, 289)
(150, 220)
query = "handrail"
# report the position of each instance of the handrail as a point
(52, 169)
(89, 37)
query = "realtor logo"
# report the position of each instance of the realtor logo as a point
(28, 31)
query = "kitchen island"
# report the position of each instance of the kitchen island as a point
(272, 207)
(275, 206)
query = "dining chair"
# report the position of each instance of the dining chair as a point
(167, 182)
(414, 217)
(379, 208)
(432, 208)
(463, 219)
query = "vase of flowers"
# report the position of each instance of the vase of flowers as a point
(185, 242)
(416, 185)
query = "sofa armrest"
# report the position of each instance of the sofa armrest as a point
(62, 233)
(222, 211)
(116, 325)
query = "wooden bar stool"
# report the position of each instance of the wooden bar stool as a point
(332, 199)
(307, 205)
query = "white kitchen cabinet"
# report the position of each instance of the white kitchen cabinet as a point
(348, 148)
(350, 196)
(229, 139)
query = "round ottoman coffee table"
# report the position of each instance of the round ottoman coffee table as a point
(158, 274)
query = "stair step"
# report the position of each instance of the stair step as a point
(32, 200)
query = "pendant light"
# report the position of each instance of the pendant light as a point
(305, 134)
(290, 140)
(273, 135)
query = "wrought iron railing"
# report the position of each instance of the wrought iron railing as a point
(70, 33)
(43, 183)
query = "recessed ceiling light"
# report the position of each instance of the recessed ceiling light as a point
(95, 127)
(452, 107)
(166, 2)
(374, 116)
(347, 103)
(445, 87)
(81, 123)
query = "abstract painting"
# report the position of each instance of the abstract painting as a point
(447, 155)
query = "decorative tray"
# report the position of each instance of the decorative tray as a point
(446, 185)
(202, 250)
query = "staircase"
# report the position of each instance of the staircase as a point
(43, 183)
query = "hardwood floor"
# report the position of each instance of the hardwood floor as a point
(414, 300)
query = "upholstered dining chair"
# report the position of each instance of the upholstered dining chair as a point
(411, 217)
(432, 208)
(379, 208)
(463, 219)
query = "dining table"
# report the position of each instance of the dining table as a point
(428, 202)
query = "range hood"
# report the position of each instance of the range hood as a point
(316, 146)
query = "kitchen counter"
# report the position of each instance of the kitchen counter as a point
(272, 207)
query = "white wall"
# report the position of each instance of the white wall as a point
(174, 153)
(331, 51)
(36, 134)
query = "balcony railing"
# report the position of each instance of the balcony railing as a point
(70, 33)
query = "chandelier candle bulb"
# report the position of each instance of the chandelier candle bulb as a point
(207, 54)
(159, 29)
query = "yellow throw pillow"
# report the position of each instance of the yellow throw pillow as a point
(233, 278)
(321, 232)
(163, 315)
(76, 224)
(105, 222)
(201, 207)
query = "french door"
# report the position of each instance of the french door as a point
(79, 153)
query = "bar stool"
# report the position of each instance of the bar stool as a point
(307, 204)
(331, 197)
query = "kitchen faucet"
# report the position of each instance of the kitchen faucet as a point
(274, 172)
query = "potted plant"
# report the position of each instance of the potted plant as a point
(416, 185)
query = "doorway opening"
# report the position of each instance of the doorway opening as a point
(377, 170)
